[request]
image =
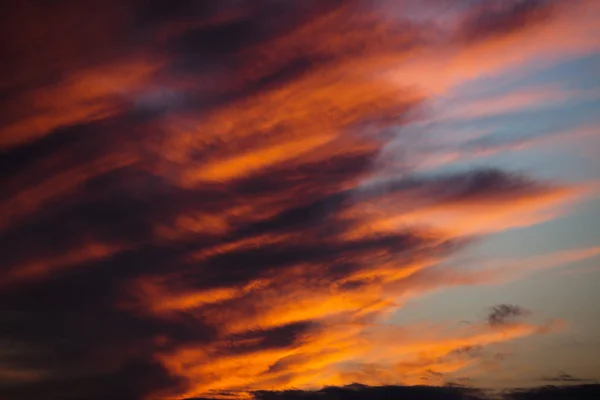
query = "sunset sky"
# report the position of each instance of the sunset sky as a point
(225, 199)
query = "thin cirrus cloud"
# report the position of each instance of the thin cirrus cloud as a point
(436, 150)
(517, 101)
(191, 203)
(495, 271)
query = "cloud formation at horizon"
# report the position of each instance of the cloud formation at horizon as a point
(357, 392)
(199, 197)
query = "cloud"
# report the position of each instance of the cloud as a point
(583, 392)
(517, 40)
(357, 391)
(564, 377)
(467, 203)
(505, 313)
(513, 102)
(431, 157)
(383, 392)
(491, 20)
(192, 202)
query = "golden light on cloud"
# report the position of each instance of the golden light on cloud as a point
(203, 209)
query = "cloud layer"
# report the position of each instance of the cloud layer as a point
(195, 201)
(357, 392)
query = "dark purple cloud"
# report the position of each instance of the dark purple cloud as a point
(506, 313)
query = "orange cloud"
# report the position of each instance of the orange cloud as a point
(384, 356)
(85, 97)
(564, 31)
(31, 198)
(460, 209)
(206, 217)
(39, 268)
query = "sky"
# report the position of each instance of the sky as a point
(232, 199)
